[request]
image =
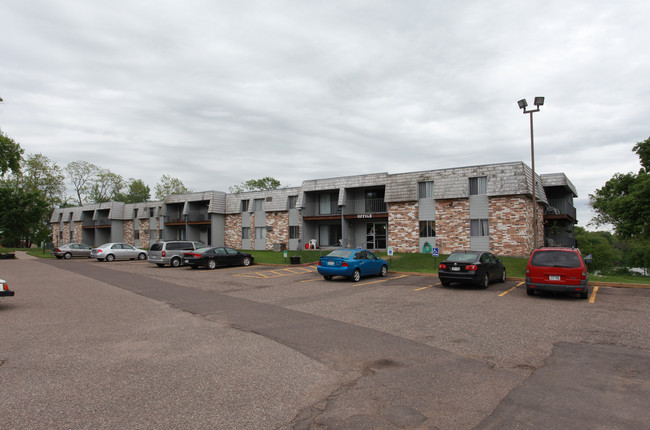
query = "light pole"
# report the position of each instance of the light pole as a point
(539, 101)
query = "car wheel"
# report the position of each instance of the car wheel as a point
(585, 294)
(142, 256)
(175, 262)
(503, 275)
(356, 275)
(110, 257)
(211, 264)
(384, 271)
(67, 256)
(485, 281)
(246, 261)
(530, 291)
(328, 277)
(160, 265)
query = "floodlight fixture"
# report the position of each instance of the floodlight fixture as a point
(522, 103)
(539, 101)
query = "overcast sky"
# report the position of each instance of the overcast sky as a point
(218, 92)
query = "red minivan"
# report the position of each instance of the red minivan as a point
(557, 270)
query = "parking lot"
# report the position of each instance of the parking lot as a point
(103, 345)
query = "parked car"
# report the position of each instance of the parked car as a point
(70, 250)
(558, 270)
(118, 251)
(211, 257)
(351, 263)
(4, 289)
(171, 252)
(471, 267)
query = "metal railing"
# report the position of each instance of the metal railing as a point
(560, 207)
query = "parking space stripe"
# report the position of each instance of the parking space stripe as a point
(592, 299)
(507, 291)
(424, 288)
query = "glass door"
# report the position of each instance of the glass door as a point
(375, 235)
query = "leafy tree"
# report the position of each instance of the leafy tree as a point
(10, 155)
(168, 186)
(22, 214)
(81, 175)
(601, 245)
(624, 201)
(262, 184)
(638, 255)
(42, 174)
(105, 186)
(136, 192)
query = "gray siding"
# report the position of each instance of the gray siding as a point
(480, 243)
(479, 207)
(427, 209)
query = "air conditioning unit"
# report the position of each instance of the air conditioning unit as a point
(269, 228)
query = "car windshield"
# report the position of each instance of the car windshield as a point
(463, 257)
(341, 253)
(156, 246)
(555, 259)
(202, 250)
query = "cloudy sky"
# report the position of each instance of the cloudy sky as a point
(218, 92)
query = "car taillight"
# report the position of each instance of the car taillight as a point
(57, 250)
(583, 276)
(99, 250)
(163, 253)
(442, 266)
(344, 264)
(6, 287)
(189, 254)
(471, 267)
(319, 263)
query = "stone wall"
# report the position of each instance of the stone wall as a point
(233, 231)
(56, 231)
(66, 233)
(78, 232)
(279, 223)
(452, 225)
(145, 233)
(129, 236)
(403, 226)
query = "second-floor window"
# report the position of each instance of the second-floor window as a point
(258, 205)
(244, 205)
(291, 202)
(478, 185)
(260, 232)
(294, 232)
(425, 190)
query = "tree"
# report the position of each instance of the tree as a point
(81, 174)
(10, 155)
(105, 186)
(136, 192)
(168, 186)
(42, 174)
(22, 215)
(601, 245)
(638, 255)
(262, 184)
(624, 200)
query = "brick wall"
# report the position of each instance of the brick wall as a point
(452, 225)
(56, 230)
(66, 233)
(233, 231)
(279, 223)
(403, 227)
(78, 231)
(129, 236)
(145, 233)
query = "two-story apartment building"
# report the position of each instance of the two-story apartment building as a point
(477, 207)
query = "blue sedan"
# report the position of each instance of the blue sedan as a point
(351, 263)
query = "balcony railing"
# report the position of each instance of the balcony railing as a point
(561, 207)
(366, 206)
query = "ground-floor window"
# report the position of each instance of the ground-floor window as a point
(294, 232)
(260, 232)
(427, 228)
(479, 227)
(245, 233)
(329, 235)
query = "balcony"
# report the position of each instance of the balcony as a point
(365, 206)
(560, 209)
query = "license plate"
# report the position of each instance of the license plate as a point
(330, 263)
(554, 278)
(455, 269)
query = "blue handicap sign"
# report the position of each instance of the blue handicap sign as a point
(434, 252)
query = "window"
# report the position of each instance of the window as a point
(260, 232)
(136, 234)
(294, 232)
(258, 205)
(244, 205)
(245, 232)
(135, 213)
(151, 212)
(425, 190)
(291, 202)
(478, 185)
(427, 229)
(479, 227)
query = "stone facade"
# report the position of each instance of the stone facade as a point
(78, 232)
(233, 231)
(403, 226)
(452, 225)
(278, 222)
(145, 233)
(129, 236)
(510, 225)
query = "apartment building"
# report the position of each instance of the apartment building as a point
(486, 207)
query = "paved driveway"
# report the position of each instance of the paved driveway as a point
(99, 345)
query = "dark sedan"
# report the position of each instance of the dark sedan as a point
(211, 257)
(471, 267)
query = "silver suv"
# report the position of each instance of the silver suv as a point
(171, 252)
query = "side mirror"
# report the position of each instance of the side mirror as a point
(588, 259)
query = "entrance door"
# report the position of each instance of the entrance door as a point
(376, 235)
